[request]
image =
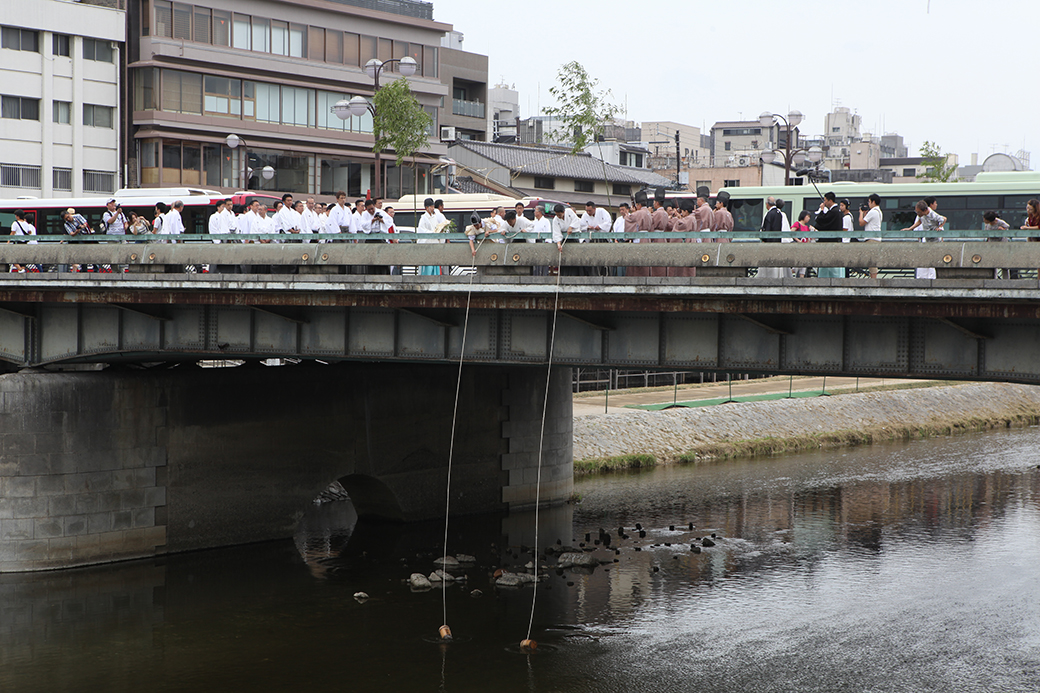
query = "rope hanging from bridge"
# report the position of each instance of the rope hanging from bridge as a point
(528, 644)
(445, 631)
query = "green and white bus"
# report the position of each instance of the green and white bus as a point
(963, 203)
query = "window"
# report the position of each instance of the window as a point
(909, 172)
(544, 183)
(19, 108)
(584, 186)
(149, 162)
(386, 51)
(267, 103)
(727, 184)
(316, 43)
(621, 189)
(98, 116)
(61, 179)
(297, 41)
(351, 49)
(369, 48)
(836, 129)
(15, 176)
(62, 112)
(17, 39)
(181, 92)
(99, 181)
(430, 63)
(728, 145)
(202, 24)
(733, 132)
(261, 35)
(60, 44)
(98, 50)
(163, 18)
(333, 46)
(241, 30)
(145, 82)
(221, 28)
(223, 96)
(297, 106)
(279, 37)
(181, 21)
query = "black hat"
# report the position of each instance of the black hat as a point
(641, 197)
(474, 218)
(723, 196)
(704, 191)
(659, 195)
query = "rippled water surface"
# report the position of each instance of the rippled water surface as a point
(909, 567)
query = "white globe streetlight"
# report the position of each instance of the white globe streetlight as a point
(768, 156)
(815, 154)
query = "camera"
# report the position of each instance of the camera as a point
(864, 208)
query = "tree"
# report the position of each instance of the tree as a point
(584, 112)
(399, 123)
(938, 168)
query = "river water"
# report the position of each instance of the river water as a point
(899, 567)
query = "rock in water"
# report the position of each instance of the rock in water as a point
(476, 593)
(584, 560)
(463, 558)
(446, 562)
(418, 581)
(441, 576)
(707, 542)
(360, 596)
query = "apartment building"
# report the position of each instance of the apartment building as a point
(60, 90)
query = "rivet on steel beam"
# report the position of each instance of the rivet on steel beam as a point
(324, 256)
(151, 256)
(705, 257)
(976, 259)
(305, 256)
(494, 257)
(133, 256)
(947, 259)
(731, 257)
(516, 257)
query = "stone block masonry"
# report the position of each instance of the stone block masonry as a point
(75, 472)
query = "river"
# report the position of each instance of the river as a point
(897, 567)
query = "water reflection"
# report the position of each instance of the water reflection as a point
(898, 568)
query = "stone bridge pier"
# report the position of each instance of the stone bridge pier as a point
(120, 463)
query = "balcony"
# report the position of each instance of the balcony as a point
(473, 109)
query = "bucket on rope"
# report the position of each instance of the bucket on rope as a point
(445, 633)
(528, 645)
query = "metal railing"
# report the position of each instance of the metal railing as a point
(473, 109)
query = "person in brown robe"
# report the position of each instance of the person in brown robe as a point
(638, 220)
(723, 218)
(686, 222)
(660, 221)
(704, 216)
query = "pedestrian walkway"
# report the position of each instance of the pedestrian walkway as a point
(711, 394)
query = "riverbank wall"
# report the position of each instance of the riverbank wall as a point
(771, 427)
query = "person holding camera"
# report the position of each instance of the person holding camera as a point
(114, 219)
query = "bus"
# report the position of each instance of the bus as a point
(962, 203)
(459, 207)
(199, 204)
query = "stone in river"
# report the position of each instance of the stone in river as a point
(707, 542)
(463, 558)
(569, 560)
(446, 561)
(360, 596)
(441, 576)
(418, 581)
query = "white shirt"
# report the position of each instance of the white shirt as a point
(286, 219)
(542, 227)
(230, 220)
(247, 223)
(173, 224)
(872, 221)
(619, 224)
(340, 217)
(23, 228)
(600, 221)
(846, 225)
(311, 221)
(218, 224)
(560, 227)
(115, 221)
(427, 224)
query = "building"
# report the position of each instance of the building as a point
(842, 126)
(553, 173)
(270, 71)
(61, 96)
(504, 107)
(907, 169)
(660, 137)
(464, 113)
(736, 140)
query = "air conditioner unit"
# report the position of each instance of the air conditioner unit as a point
(743, 161)
(448, 134)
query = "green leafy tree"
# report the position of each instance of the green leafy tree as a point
(584, 112)
(399, 123)
(938, 168)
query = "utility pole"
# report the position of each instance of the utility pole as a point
(678, 181)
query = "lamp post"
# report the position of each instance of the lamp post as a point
(768, 120)
(358, 105)
(234, 141)
(813, 155)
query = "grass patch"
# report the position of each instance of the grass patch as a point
(844, 390)
(765, 447)
(613, 464)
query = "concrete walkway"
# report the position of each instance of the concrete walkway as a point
(617, 401)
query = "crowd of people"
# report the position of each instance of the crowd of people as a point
(369, 216)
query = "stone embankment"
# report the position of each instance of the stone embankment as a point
(744, 429)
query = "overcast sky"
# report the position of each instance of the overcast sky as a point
(961, 73)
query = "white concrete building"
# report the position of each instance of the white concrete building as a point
(59, 87)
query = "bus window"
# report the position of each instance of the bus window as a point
(747, 214)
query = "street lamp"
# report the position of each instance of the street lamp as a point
(359, 105)
(234, 141)
(768, 120)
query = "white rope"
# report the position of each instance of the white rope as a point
(451, 446)
(541, 439)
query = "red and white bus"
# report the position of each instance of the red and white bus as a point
(199, 204)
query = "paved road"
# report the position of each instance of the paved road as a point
(593, 403)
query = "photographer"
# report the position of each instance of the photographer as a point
(870, 219)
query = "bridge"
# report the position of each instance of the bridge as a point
(154, 454)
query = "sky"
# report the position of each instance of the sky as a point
(961, 73)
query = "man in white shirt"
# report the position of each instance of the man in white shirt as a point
(374, 221)
(871, 222)
(287, 219)
(173, 224)
(594, 220)
(309, 220)
(218, 224)
(115, 220)
(341, 219)
(564, 223)
(230, 220)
